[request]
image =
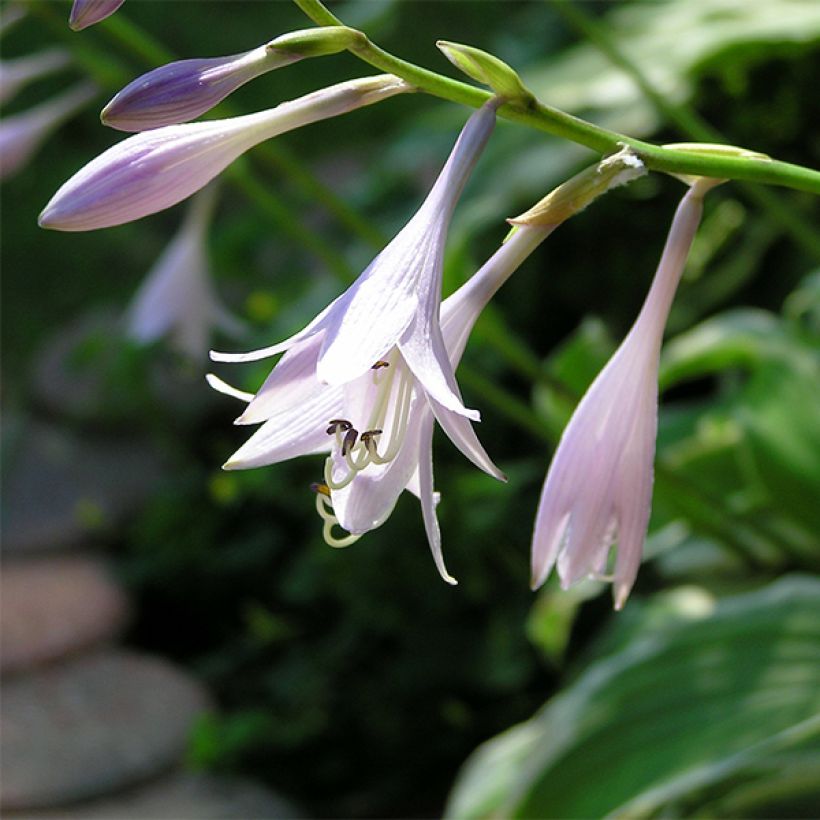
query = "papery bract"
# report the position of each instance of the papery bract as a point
(151, 171)
(86, 13)
(182, 90)
(177, 298)
(22, 134)
(598, 490)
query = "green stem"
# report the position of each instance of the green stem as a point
(689, 122)
(560, 124)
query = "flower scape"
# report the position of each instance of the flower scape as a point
(364, 383)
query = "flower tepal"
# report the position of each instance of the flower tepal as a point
(153, 170)
(85, 13)
(598, 490)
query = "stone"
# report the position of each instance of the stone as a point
(189, 796)
(90, 726)
(52, 607)
(59, 488)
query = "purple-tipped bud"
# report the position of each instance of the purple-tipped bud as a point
(22, 134)
(151, 171)
(85, 13)
(181, 91)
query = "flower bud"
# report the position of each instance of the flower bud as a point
(17, 73)
(151, 171)
(22, 134)
(85, 13)
(487, 70)
(182, 90)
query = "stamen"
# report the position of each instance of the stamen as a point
(325, 509)
(380, 363)
(349, 441)
(320, 488)
(335, 425)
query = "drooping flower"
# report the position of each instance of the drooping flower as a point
(177, 298)
(17, 73)
(151, 171)
(21, 135)
(364, 380)
(85, 13)
(598, 490)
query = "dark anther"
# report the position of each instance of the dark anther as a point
(380, 363)
(349, 441)
(321, 488)
(334, 425)
(369, 438)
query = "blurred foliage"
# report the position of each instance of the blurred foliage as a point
(354, 680)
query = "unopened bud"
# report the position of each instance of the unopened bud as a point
(487, 70)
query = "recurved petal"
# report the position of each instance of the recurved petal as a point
(428, 498)
(424, 352)
(460, 431)
(298, 431)
(290, 383)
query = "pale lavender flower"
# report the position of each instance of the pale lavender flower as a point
(10, 15)
(151, 171)
(182, 90)
(19, 72)
(378, 361)
(177, 298)
(22, 134)
(86, 13)
(366, 473)
(598, 490)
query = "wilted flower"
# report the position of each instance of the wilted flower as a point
(17, 73)
(378, 361)
(22, 134)
(177, 297)
(86, 13)
(598, 490)
(183, 90)
(156, 169)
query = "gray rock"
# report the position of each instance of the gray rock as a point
(183, 796)
(93, 725)
(55, 606)
(59, 487)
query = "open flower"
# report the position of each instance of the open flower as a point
(85, 13)
(177, 298)
(21, 135)
(598, 490)
(366, 378)
(156, 169)
(366, 472)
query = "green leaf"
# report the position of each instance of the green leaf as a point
(695, 698)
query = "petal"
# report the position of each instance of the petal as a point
(297, 432)
(226, 389)
(428, 498)
(460, 432)
(312, 328)
(290, 383)
(424, 352)
(368, 500)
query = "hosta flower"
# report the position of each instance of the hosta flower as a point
(182, 90)
(86, 13)
(19, 72)
(598, 489)
(177, 298)
(366, 472)
(365, 379)
(22, 134)
(156, 169)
